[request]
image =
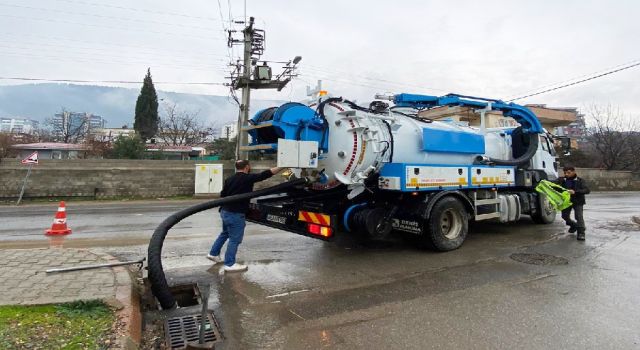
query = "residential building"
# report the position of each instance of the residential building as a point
(577, 130)
(111, 134)
(96, 122)
(174, 152)
(18, 125)
(79, 125)
(549, 117)
(52, 150)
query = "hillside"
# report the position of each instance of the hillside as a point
(115, 104)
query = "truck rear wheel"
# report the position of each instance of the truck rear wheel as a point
(447, 226)
(545, 214)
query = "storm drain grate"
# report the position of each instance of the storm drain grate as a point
(539, 259)
(181, 331)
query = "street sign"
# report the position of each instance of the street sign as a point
(31, 159)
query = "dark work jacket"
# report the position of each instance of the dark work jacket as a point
(579, 186)
(240, 183)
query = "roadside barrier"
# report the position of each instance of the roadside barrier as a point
(59, 226)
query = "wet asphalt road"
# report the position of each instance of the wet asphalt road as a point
(300, 293)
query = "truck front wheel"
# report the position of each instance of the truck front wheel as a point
(545, 213)
(447, 226)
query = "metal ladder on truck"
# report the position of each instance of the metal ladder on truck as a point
(494, 210)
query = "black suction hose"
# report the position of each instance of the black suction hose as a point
(525, 157)
(159, 286)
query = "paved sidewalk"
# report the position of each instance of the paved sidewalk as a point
(24, 280)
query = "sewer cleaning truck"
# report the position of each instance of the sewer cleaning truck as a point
(375, 170)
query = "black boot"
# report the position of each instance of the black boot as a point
(580, 235)
(572, 229)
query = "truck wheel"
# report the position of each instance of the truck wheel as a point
(546, 214)
(447, 226)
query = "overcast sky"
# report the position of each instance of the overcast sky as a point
(499, 49)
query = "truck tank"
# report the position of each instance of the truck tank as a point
(356, 142)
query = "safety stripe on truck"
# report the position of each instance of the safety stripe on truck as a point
(489, 180)
(316, 218)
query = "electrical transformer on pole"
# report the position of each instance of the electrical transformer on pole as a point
(241, 78)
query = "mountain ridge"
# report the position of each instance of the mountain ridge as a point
(115, 104)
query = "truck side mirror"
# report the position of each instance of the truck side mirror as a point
(565, 145)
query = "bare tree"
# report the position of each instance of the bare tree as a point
(8, 140)
(68, 127)
(634, 144)
(97, 148)
(613, 137)
(178, 127)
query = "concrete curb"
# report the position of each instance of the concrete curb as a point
(127, 305)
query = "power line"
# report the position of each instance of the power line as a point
(232, 93)
(64, 39)
(103, 16)
(85, 49)
(386, 85)
(105, 27)
(91, 59)
(107, 81)
(577, 82)
(93, 54)
(348, 82)
(224, 29)
(144, 11)
(110, 62)
(572, 79)
(361, 77)
(230, 15)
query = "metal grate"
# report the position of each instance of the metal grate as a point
(181, 331)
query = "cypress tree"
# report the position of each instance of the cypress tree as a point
(146, 117)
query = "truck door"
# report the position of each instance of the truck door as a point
(545, 157)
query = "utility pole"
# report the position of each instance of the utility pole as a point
(241, 78)
(242, 138)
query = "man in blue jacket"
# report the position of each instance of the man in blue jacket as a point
(233, 214)
(578, 189)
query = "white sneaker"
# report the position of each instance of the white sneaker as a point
(236, 268)
(215, 258)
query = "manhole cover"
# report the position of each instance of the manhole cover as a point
(183, 330)
(539, 259)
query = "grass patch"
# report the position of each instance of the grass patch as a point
(77, 325)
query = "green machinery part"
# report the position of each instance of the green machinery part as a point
(558, 196)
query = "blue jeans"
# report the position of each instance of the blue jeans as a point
(232, 229)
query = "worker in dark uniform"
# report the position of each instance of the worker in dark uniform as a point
(233, 214)
(578, 189)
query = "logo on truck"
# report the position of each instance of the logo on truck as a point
(277, 219)
(406, 226)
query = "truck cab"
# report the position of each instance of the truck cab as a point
(545, 158)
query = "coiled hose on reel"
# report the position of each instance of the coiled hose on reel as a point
(532, 148)
(159, 286)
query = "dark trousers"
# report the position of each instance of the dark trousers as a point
(577, 213)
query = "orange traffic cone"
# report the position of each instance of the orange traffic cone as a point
(59, 226)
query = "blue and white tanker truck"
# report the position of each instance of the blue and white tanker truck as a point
(375, 170)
